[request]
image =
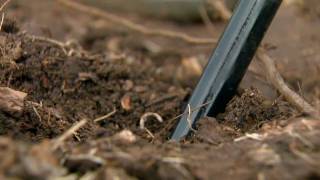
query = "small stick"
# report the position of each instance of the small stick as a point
(278, 82)
(1, 8)
(2, 20)
(224, 13)
(4, 5)
(105, 116)
(49, 40)
(149, 132)
(37, 113)
(134, 26)
(162, 99)
(59, 141)
(206, 19)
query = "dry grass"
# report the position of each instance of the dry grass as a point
(134, 26)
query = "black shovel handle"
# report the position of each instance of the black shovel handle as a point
(229, 62)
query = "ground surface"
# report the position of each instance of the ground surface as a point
(105, 68)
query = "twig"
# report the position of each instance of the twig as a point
(37, 113)
(254, 136)
(278, 82)
(59, 141)
(49, 40)
(4, 5)
(149, 132)
(2, 20)
(105, 116)
(224, 12)
(35, 103)
(1, 8)
(134, 26)
(206, 19)
(162, 99)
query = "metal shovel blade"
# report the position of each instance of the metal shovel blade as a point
(229, 62)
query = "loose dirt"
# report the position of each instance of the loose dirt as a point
(103, 70)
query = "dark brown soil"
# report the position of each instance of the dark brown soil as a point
(259, 136)
(71, 88)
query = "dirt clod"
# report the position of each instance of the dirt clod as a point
(249, 111)
(11, 101)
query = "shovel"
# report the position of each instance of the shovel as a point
(228, 63)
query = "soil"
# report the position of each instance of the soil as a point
(103, 68)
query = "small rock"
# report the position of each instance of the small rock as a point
(125, 136)
(192, 65)
(126, 102)
(190, 70)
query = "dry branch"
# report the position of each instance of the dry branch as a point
(277, 81)
(11, 101)
(134, 26)
(224, 13)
